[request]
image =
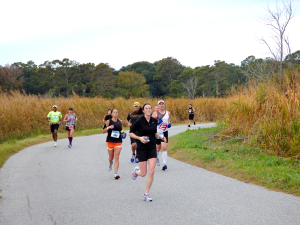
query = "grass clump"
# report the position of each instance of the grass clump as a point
(236, 159)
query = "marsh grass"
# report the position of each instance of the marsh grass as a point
(237, 160)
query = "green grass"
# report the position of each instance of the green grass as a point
(11, 147)
(236, 159)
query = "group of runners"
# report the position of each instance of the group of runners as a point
(148, 136)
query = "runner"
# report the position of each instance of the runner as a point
(106, 117)
(70, 118)
(131, 118)
(163, 118)
(147, 127)
(191, 111)
(115, 134)
(54, 117)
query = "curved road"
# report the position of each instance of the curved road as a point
(46, 185)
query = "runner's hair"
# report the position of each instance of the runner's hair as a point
(145, 105)
(139, 111)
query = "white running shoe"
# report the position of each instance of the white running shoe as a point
(157, 162)
(147, 198)
(134, 175)
(110, 166)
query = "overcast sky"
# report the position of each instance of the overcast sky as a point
(120, 32)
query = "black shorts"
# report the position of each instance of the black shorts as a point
(191, 117)
(166, 135)
(132, 140)
(145, 154)
(67, 128)
(54, 127)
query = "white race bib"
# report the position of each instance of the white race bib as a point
(55, 116)
(115, 134)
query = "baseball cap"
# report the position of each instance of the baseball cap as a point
(161, 101)
(136, 104)
(70, 108)
(55, 106)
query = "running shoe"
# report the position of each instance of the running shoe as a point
(147, 198)
(134, 175)
(110, 166)
(69, 146)
(136, 160)
(116, 176)
(189, 125)
(55, 144)
(194, 123)
(164, 167)
(157, 162)
(132, 158)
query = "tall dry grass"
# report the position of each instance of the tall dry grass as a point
(22, 115)
(269, 114)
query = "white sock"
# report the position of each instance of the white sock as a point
(157, 154)
(165, 156)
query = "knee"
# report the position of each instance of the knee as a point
(143, 173)
(116, 157)
(151, 172)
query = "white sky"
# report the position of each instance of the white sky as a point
(119, 32)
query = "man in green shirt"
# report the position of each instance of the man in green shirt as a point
(54, 117)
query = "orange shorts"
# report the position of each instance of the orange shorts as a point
(111, 145)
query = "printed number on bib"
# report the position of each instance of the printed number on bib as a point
(71, 127)
(163, 126)
(115, 134)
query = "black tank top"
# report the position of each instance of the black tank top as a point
(191, 111)
(114, 135)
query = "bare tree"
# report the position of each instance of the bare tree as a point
(278, 21)
(190, 87)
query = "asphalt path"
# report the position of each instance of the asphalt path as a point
(47, 185)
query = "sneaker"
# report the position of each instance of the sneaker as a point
(194, 123)
(132, 158)
(69, 146)
(134, 175)
(55, 144)
(189, 125)
(116, 176)
(136, 160)
(164, 167)
(110, 166)
(157, 162)
(147, 198)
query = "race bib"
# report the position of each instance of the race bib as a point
(190, 111)
(55, 116)
(160, 134)
(71, 127)
(163, 126)
(115, 134)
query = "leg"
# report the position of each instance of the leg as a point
(143, 169)
(133, 147)
(150, 177)
(71, 136)
(55, 135)
(110, 155)
(117, 151)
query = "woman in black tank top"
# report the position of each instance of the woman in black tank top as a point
(115, 134)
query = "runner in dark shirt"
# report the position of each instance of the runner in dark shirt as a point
(146, 146)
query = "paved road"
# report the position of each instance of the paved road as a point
(46, 185)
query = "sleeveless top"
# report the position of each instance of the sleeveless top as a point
(72, 121)
(114, 135)
(191, 111)
(164, 125)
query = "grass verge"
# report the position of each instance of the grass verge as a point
(237, 160)
(11, 147)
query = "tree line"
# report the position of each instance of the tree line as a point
(164, 78)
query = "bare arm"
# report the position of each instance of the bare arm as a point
(107, 127)
(65, 119)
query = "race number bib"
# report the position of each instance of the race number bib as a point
(55, 116)
(163, 126)
(160, 134)
(71, 127)
(190, 111)
(115, 134)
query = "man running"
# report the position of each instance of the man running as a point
(191, 111)
(131, 118)
(163, 118)
(54, 117)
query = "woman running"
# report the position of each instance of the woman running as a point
(191, 111)
(115, 134)
(70, 118)
(146, 146)
(106, 117)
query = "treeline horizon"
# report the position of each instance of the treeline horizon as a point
(164, 78)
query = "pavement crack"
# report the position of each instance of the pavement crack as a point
(28, 206)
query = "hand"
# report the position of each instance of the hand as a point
(169, 125)
(111, 127)
(159, 122)
(129, 124)
(142, 139)
(164, 139)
